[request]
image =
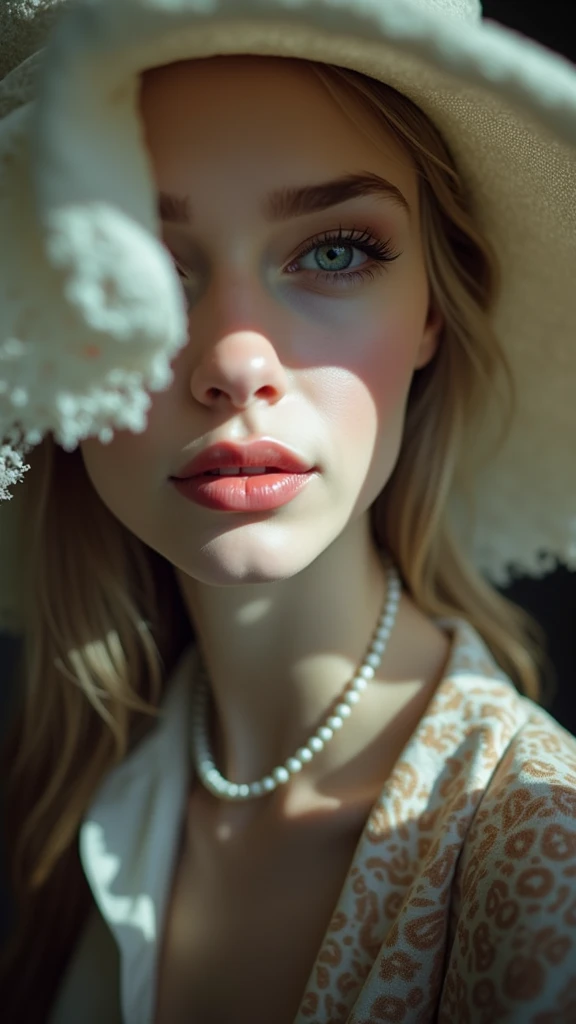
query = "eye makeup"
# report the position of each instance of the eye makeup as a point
(337, 245)
(380, 252)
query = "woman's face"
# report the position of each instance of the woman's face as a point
(301, 328)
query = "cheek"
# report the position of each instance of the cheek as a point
(116, 471)
(364, 402)
(388, 372)
(132, 458)
(370, 388)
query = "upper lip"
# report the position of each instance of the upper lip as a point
(268, 453)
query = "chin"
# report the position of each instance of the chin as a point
(231, 560)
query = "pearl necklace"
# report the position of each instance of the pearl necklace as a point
(279, 776)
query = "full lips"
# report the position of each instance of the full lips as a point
(249, 493)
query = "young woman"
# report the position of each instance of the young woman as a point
(270, 760)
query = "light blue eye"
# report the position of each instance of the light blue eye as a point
(332, 257)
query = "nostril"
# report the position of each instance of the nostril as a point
(267, 392)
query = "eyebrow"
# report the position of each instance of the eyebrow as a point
(287, 203)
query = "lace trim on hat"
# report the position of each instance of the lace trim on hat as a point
(13, 467)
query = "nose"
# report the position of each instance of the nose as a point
(240, 369)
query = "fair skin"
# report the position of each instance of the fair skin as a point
(324, 368)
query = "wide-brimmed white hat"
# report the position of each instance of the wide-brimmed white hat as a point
(91, 309)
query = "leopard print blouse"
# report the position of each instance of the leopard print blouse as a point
(459, 906)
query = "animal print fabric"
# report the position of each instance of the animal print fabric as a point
(460, 904)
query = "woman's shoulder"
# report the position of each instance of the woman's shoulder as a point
(477, 688)
(514, 907)
(528, 746)
(527, 814)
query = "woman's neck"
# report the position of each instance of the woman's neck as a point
(277, 655)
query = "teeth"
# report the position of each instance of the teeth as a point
(237, 470)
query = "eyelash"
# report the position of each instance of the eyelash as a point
(380, 251)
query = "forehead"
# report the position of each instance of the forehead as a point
(263, 110)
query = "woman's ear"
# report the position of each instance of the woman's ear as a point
(430, 337)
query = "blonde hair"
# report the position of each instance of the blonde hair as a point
(105, 622)
(450, 395)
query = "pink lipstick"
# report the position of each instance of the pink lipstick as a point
(255, 477)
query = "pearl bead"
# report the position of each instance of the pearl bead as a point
(304, 754)
(269, 783)
(281, 775)
(294, 764)
(373, 660)
(256, 789)
(352, 697)
(378, 647)
(334, 722)
(343, 710)
(244, 790)
(359, 684)
(316, 744)
(366, 672)
(232, 789)
(325, 733)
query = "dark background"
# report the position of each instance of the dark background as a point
(550, 23)
(552, 600)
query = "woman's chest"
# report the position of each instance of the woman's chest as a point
(242, 932)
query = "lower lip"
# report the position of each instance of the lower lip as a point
(244, 493)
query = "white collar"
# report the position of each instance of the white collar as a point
(129, 840)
